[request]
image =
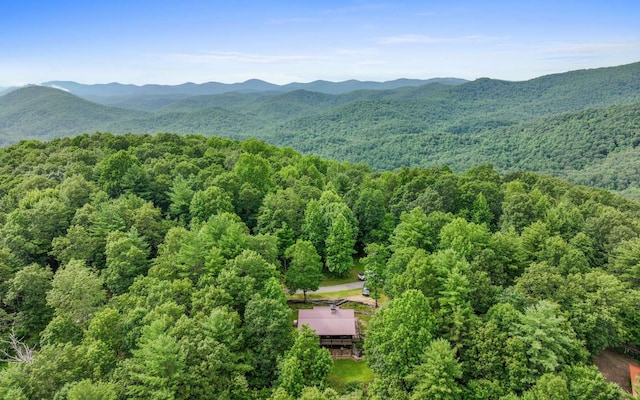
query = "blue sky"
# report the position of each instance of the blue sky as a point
(171, 42)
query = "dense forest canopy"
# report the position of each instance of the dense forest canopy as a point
(152, 267)
(582, 126)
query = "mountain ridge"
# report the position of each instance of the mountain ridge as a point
(433, 124)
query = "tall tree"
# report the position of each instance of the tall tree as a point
(268, 333)
(126, 259)
(374, 268)
(305, 364)
(76, 293)
(340, 245)
(398, 335)
(437, 377)
(305, 268)
(26, 297)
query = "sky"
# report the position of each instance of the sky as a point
(172, 42)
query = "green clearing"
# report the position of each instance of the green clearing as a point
(358, 268)
(349, 372)
(327, 296)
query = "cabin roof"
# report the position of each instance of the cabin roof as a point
(326, 322)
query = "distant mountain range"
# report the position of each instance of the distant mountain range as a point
(152, 97)
(581, 125)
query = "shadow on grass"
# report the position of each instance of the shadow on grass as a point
(349, 373)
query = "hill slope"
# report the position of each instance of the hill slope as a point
(563, 124)
(42, 112)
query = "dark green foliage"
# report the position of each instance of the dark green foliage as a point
(170, 284)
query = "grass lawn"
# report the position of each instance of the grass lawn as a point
(358, 268)
(325, 296)
(345, 372)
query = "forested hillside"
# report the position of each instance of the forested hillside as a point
(153, 267)
(580, 125)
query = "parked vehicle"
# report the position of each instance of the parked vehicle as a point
(361, 277)
(365, 291)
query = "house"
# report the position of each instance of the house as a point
(336, 327)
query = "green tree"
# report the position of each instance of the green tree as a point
(549, 339)
(480, 211)
(305, 364)
(268, 333)
(466, 238)
(586, 382)
(26, 297)
(76, 293)
(455, 311)
(398, 334)
(370, 211)
(180, 195)
(212, 200)
(340, 246)
(548, 387)
(157, 366)
(120, 173)
(126, 259)
(374, 266)
(305, 268)
(86, 390)
(412, 231)
(438, 375)
(313, 227)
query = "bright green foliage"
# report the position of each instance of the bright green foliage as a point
(86, 390)
(586, 382)
(466, 238)
(413, 231)
(268, 333)
(156, 369)
(127, 255)
(525, 276)
(548, 387)
(122, 173)
(213, 361)
(28, 231)
(76, 293)
(454, 309)
(26, 296)
(438, 375)
(340, 246)
(76, 190)
(282, 207)
(625, 261)
(548, 338)
(208, 202)
(108, 327)
(480, 211)
(374, 266)
(77, 244)
(370, 211)
(398, 335)
(180, 195)
(313, 226)
(305, 268)
(305, 364)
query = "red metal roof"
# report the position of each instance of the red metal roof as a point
(325, 323)
(634, 372)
